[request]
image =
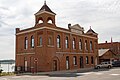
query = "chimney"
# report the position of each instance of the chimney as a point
(105, 41)
(17, 30)
(69, 25)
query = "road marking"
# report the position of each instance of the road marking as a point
(115, 74)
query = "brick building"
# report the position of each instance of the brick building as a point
(113, 46)
(46, 47)
(106, 55)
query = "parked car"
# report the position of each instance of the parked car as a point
(104, 65)
(116, 64)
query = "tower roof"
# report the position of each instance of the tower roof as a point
(45, 8)
(91, 31)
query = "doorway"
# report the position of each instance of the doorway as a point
(81, 62)
(54, 65)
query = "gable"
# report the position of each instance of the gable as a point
(77, 29)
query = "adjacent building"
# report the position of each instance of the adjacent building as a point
(47, 47)
(112, 46)
(106, 55)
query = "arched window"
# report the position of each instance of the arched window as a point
(49, 20)
(49, 41)
(40, 21)
(86, 47)
(87, 60)
(80, 44)
(58, 41)
(32, 42)
(91, 46)
(40, 41)
(74, 60)
(92, 60)
(26, 43)
(67, 62)
(66, 42)
(73, 43)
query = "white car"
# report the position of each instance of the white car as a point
(104, 65)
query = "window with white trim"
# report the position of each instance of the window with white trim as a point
(80, 44)
(26, 43)
(91, 46)
(66, 42)
(86, 48)
(32, 42)
(40, 41)
(73, 43)
(87, 61)
(74, 60)
(58, 41)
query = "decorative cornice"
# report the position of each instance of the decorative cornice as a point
(72, 53)
(24, 53)
(27, 31)
(44, 12)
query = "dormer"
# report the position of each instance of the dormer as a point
(45, 16)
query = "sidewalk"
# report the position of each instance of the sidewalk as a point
(60, 72)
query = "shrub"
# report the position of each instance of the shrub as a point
(1, 70)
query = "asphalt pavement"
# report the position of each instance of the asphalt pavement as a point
(101, 74)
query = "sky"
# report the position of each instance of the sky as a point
(102, 15)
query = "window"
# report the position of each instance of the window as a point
(66, 42)
(26, 43)
(73, 43)
(49, 41)
(87, 61)
(58, 41)
(32, 42)
(67, 62)
(92, 60)
(40, 41)
(50, 21)
(86, 45)
(90, 45)
(40, 21)
(74, 60)
(80, 44)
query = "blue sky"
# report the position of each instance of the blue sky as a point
(102, 15)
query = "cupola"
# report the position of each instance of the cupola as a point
(45, 16)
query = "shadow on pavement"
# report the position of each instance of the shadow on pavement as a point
(64, 75)
(102, 69)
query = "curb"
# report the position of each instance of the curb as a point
(59, 72)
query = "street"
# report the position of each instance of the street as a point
(102, 74)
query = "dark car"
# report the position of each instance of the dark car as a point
(116, 64)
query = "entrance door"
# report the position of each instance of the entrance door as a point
(81, 62)
(54, 65)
